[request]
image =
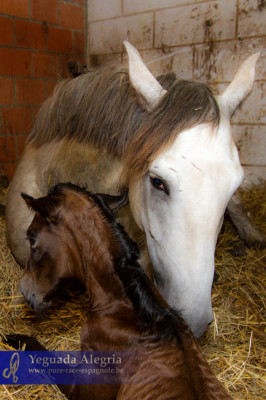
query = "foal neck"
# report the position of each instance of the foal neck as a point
(99, 242)
(98, 273)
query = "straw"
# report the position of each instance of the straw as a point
(234, 344)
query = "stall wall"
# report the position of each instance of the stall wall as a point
(37, 39)
(209, 40)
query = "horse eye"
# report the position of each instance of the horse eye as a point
(158, 184)
(32, 241)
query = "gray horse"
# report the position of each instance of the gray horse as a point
(168, 142)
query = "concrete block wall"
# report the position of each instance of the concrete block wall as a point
(37, 39)
(208, 39)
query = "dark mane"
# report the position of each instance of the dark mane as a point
(102, 109)
(153, 312)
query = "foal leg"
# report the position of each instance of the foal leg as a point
(247, 231)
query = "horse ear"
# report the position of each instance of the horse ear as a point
(240, 86)
(117, 202)
(113, 203)
(30, 201)
(43, 205)
(142, 79)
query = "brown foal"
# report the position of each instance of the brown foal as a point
(74, 234)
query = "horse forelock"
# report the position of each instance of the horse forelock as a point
(185, 105)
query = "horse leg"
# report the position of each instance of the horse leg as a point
(247, 231)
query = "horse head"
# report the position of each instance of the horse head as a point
(180, 199)
(71, 229)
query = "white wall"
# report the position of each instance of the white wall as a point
(210, 39)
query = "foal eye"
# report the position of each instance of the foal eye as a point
(32, 241)
(159, 184)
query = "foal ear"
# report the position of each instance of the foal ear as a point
(28, 200)
(240, 86)
(43, 205)
(142, 79)
(113, 203)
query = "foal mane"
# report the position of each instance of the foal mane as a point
(103, 110)
(154, 313)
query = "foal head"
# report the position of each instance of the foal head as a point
(71, 230)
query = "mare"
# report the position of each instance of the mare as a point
(168, 142)
(74, 234)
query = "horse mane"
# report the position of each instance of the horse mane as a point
(102, 109)
(99, 108)
(153, 312)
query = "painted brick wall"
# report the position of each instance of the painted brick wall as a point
(209, 38)
(37, 39)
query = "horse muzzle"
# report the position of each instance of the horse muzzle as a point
(34, 299)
